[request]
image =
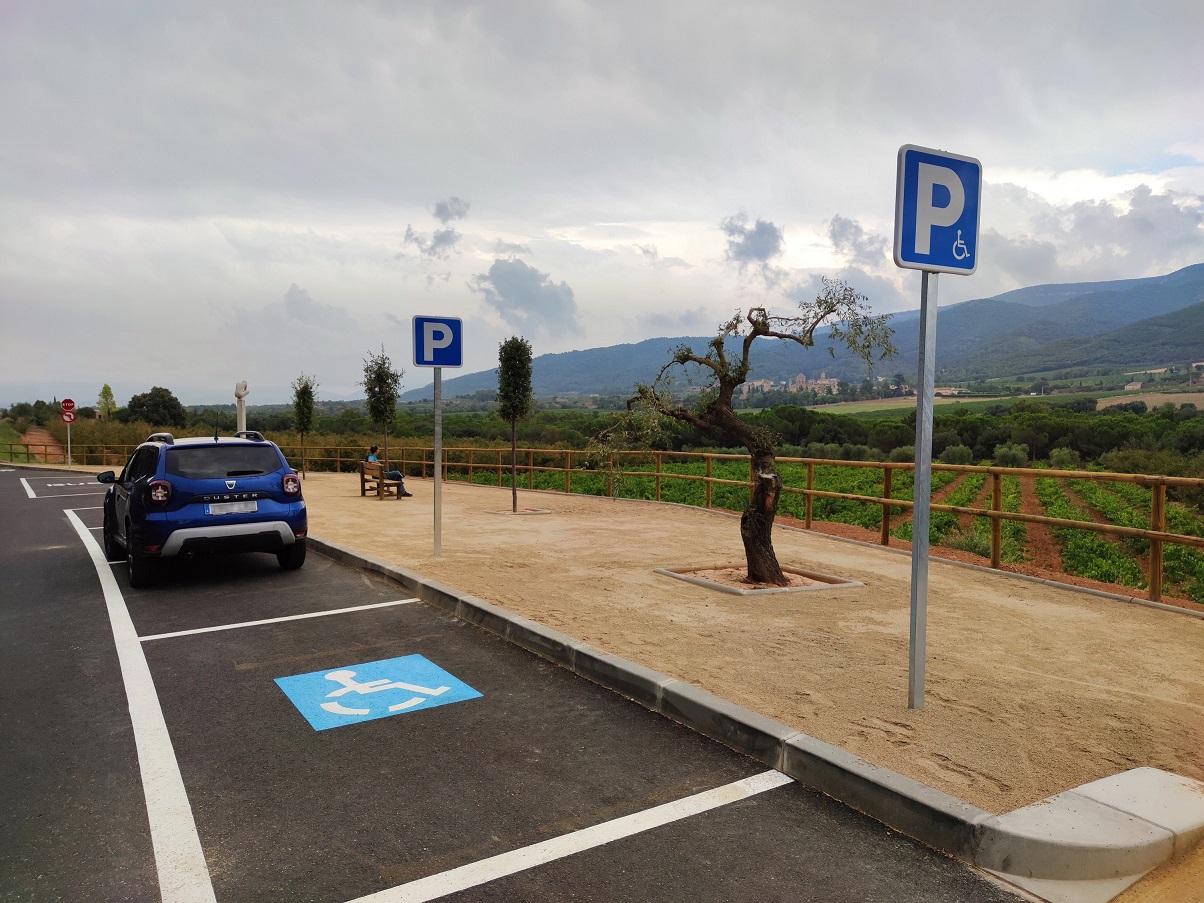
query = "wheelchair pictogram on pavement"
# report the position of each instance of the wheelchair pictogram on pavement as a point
(372, 690)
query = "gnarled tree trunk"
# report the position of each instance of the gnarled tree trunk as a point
(756, 523)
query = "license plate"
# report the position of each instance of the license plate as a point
(232, 508)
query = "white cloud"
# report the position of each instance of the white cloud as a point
(188, 163)
(756, 244)
(527, 299)
(450, 209)
(853, 242)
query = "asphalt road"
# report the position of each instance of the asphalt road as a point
(242, 733)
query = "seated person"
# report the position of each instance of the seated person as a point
(392, 474)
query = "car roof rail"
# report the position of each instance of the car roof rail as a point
(253, 435)
(166, 438)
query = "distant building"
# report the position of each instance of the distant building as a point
(949, 390)
(1131, 386)
(825, 385)
(756, 385)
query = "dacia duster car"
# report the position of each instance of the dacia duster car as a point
(184, 497)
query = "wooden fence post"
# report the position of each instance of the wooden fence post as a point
(810, 486)
(568, 471)
(1157, 522)
(659, 455)
(996, 522)
(708, 481)
(887, 473)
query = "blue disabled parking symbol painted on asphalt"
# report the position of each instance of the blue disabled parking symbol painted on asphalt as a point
(372, 690)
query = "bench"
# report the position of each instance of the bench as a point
(373, 479)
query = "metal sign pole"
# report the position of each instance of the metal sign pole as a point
(438, 462)
(69, 443)
(922, 494)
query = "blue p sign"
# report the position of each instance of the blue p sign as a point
(438, 342)
(936, 211)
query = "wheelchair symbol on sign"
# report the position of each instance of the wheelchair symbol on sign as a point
(351, 685)
(960, 251)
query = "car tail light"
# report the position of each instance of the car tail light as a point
(159, 492)
(292, 484)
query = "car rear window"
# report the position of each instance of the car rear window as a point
(211, 462)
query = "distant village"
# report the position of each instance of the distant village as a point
(824, 385)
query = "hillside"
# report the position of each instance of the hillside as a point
(1035, 329)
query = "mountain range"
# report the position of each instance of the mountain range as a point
(1155, 321)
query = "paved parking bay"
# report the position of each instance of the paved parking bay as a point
(242, 733)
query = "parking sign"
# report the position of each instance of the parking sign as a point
(438, 342)
(936, 211)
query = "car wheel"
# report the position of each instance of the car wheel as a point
(112, 550)
(140, 568)
(292, 557)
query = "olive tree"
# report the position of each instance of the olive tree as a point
(381, 385)
(514, 397)
(303, 409)
(839, 307)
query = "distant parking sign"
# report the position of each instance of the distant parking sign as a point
(936, 211)
(438, 342)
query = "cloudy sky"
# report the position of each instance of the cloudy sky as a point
(197, 193)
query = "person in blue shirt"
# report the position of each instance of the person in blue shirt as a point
(392, 474)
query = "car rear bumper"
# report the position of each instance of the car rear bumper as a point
(264, 536)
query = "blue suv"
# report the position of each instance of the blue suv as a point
(183, 497)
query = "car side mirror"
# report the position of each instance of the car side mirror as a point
(107, 477)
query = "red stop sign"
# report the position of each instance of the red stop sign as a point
(68, 404)
(68, 416)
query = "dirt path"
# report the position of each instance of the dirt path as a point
(982, 500)
(43, 446)
(938, 498)
(1043, 549)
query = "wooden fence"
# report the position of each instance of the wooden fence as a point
(468, 463)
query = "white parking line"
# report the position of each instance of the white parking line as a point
(179, 860)
(29, 491)
(312, 614)
(476, 873)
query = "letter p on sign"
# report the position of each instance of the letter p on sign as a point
(438, 342)
(936, 211)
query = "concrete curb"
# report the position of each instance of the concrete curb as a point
(1118, 827)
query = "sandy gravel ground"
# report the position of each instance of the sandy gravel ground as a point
(1031, 689)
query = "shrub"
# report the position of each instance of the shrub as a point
(851, 452)
(957, 454)
(902, 454)
(1009, 454)
(1064, 459)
